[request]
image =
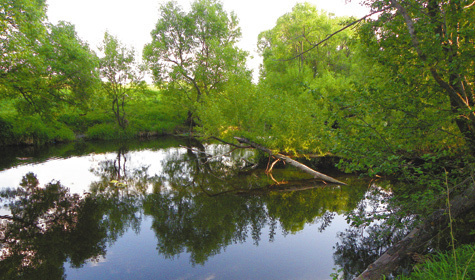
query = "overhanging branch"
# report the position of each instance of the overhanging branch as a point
(290, 161)
(333, 34)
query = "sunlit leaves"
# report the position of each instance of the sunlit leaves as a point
(194, 52)
(122, 76)
(44, 65)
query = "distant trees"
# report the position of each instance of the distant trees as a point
(285, 47)
(122, 75)
(296, 86)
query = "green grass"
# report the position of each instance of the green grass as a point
(147, 113)
(447, 266)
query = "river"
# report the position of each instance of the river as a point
(170, 209)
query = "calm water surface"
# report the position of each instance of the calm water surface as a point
(168, 209)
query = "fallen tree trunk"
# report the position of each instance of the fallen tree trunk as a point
(416, 241)
(290, 161)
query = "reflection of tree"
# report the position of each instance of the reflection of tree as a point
(120, 180)
(203, 225)
(189, 215)
(121, 190)
(200, 205)
(375, 230)
(48, 226)
(318, 205)
(199, 171)
(359, 249)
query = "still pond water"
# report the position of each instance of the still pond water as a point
(170, 209)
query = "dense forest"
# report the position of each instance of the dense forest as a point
(389, 95)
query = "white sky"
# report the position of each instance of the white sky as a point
(133, 20)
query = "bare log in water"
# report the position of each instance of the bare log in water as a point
(290, 161)
(417, 240)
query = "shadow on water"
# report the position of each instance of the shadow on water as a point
(205, 199)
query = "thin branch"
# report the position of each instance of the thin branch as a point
(333, 34)
(468, 6)
(231, 144)
(269, 170)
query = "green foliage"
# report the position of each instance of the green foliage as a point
(109, 131)
(287, 111)
(35, 130)
(426, 49)
(148, 114)
(122, 75)
(289, 52)
(46, 68)
(193, 54)
(447, 266)
(394, 112)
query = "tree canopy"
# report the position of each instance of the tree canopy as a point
(194, 53)
(430, 45)
(45, 65)
(122, 75)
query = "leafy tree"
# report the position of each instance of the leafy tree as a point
(122, 75)
(46, 65)
(287, 110)
(194, 53)
(21, 22)
(289, 49)
(396, 115)
(429, 44)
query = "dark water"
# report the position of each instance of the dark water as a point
(170, 209)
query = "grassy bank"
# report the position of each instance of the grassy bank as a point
(146, 113)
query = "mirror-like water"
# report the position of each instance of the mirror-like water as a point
(167, 209)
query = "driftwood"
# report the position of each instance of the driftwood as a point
(290, 161)
(416, 241)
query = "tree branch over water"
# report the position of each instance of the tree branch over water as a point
(290, 161)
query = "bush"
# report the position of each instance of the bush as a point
(109, 131)
(6, 133)
(33, 130)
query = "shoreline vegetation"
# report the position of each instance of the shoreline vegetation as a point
(94, 124)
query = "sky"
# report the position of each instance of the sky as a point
(131, 21)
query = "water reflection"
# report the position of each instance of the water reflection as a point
(47, 227)
(205, 199)
(376, 226)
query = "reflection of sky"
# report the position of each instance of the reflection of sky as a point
(305, 255)
(76, 173)
(73, 172)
